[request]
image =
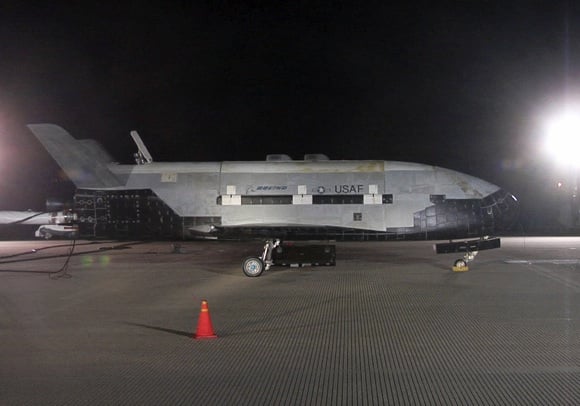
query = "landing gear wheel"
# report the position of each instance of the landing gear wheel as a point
(253, 266)
(460, 266)
(460, 263)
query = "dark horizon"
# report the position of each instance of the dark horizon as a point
(460, 86)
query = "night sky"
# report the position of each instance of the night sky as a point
(462, 85)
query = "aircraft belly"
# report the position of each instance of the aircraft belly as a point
(351, 216)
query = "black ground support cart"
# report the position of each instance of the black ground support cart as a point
(304, 255)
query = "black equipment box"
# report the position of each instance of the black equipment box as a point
(304, 255)
(467, 246)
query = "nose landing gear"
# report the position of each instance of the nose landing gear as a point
(470, 248)
(461, 264)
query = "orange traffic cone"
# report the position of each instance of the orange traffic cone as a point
(204, 326)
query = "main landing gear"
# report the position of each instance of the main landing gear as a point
(254, 266)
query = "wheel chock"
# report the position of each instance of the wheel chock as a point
(460, 268)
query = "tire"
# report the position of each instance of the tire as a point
(460, 263)
(253, 266)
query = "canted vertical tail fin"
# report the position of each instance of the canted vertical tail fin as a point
(142, 156)
(85, 162)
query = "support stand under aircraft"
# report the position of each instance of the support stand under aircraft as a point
(471, 249)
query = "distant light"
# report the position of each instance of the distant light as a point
(563, 137)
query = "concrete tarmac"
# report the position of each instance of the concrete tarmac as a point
(389, 324)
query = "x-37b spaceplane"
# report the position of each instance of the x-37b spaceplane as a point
(276, 199)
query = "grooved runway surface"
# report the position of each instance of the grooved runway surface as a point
(390, 324)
